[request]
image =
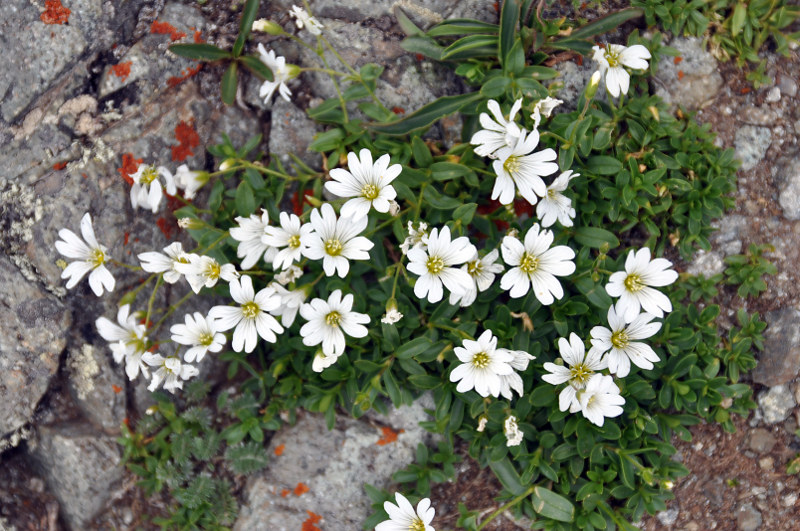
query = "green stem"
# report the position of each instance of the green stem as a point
(507, 506)
(172, 309)
(458, 331)
(152, 300)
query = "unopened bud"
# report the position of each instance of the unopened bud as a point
(594, 83)
(293, 70)
(267, 26)
(190, 223)
(313, 201)
(227, 163)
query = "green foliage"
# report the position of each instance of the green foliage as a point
(747, 270)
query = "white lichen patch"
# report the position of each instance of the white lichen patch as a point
(12, 441)
(83, 368)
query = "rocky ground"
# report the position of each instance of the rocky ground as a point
(83, 88)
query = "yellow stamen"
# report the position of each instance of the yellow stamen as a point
(529, 263)
(435, 265)
(481, 360)
(250, 310)
(294, 241)
(333, 318)
(633, 283)
(619, 339)
(333, 247)
(370, 191)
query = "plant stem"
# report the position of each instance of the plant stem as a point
(507, 506)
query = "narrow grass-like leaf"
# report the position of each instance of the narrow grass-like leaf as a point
(426, 115)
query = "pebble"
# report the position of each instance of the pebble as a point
(748, 518)
(751, 145)
(776, 404)
(789, 500)
(761, 440)
(766, 463)
(773, 95)
(692, 526)
(787, 86)
(668, 517)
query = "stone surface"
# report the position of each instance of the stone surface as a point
(706, 263)
(692, 82)
(751, 145)
(748, 518)
(787, 85)
(291, 132)
(779, 362)
(80, 467)
(97, 386)
(31, 343)
(668, 517)
(728, 236)
(761, 440)
(788, 178)
(776, 404)
(353, 455)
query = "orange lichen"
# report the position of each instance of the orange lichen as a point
(285, 492)
(745, 90)
(580, 60)
(185, 74)
(60, 165)
(313, 518)
(187, 140)
(677, 60)
(301, 489)
(167, 228)
(680, 75)
(129, 166)
(117, 389)
(398, 110)
(125, 240)
(54, 12)
(389, 436)
(122, 70)
(279, 449)
(165, 28)
(197, 37)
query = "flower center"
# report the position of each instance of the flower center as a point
(512, 164)
(579, 374)
(333, 247)
(370, 191)
(416, 525)
(98, 257)
(206, 339)
(333, 318)
(612, 58)
(529, 263)
(149, 175)
(633, 283)
(619, 339)
(551, 194)
(475, 268)
(294, 241)
(481, 360)
(250, 310)
(592, 398)
(213, 270)
(435, 265)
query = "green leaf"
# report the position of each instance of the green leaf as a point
(426, 115)
(596, 237)
(229, 83)
(470, 47)
(738, 19)
(508, 476)
(413, 347)
(327, 141)
(515, 61)
(406, 24)
(496, 86)
(245, 202)
(465, 213)
(424, 46)
(248, 17)
(509, 28)
(201, 52)
(603, 165)
(606, 23)
(421, 153)
(462, 26)
(256, 66)
(446, 171)
(552, 505)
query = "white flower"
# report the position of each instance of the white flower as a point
(392, 314)
(202, 334)
(519, 362)
(434, 265)
(497, 134)
(190, 181)
(403, 517)
(290, 303)
(482, 365)
(536, 264)
(336, 241)
(613, 58)
(205, 271)
(287, 240)
(599, 399)
(544, 108)
(280, 74)
(154, 262)
(329, 321)
(620, 340)
(519, 169)
(250, 234)
(632, 286)
(481, 424)
(305, 20)
(322, 362)
(128, 340)
(416, 237)
(394, 208)
(368, 184)
(512, 432)
(89, 256)
(289, 275)
(554, 205)
(250, 318)
(582, 367)
(170, 371)
(482, 272)
(147, 191)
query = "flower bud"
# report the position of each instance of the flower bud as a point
(227, 163)
(594, 83)
(267, 26)
(190, 223)
(293, 70)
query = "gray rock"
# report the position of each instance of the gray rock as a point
(728, 237)
(779, 362)
(774, 95)
(706, 263)
(750, 144)
(33, 152)
(759, 116)
(334, 465)
(761, 440)
(787, 85)
(776, 404)
(573, 80)
(789, 188)
(700, 81)
(748, 518)
(358, 10)
(80, 468)
(31, 343)
(97, 386)
(477, 9)
(291, 132)
(668, 517)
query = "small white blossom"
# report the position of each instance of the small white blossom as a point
(154, 262)
(392, 314)
(482, 272)
(612, 60)
(582, 367)
(322, 361)
(190, 181)
(127, 340)
(512, 432)
(497, 133)
(249, 234)
(202, 334)
(620, 341)
(481, 424)
(89, 256)
(280, 74)
(289, 275)
(544, 108)
(290, 303)
(336, 241)
(287, 240)
(403, 517)
(434, 265)
(303, 19)
(368, 183)
(250, 318)
(535, 264)
(513, 381)
(633, 286)
(205, 271)
(171, 372)
(600, 399)
(329, 321)
(416, 237)
(482, 365)
(554, 205)
(147, 190)
(519, 169)
(394, 208)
